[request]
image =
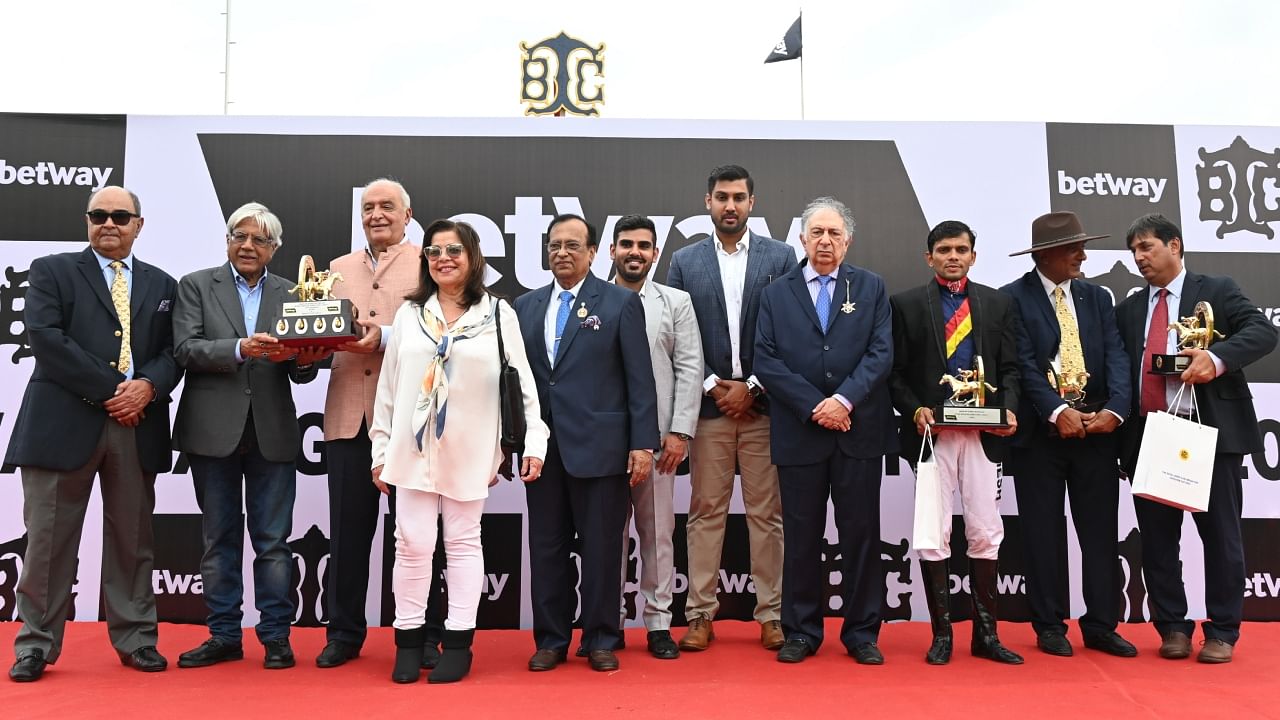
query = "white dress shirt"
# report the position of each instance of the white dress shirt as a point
(733, 278)
(553, 307)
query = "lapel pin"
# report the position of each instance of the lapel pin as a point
(849, 306)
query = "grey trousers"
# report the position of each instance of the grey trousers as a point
(54, 504)
(654, 512)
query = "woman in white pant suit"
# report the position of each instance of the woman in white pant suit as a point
(435, 437)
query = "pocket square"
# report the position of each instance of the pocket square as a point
(164, 306)
(592, 322)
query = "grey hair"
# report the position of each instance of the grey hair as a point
(404, 194)
(259, 213)
(137, 204)
(827, 202)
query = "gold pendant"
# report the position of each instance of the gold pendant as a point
(582, 311)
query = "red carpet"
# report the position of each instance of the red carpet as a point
(734, 679)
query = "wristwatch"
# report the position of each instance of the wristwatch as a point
(683, 436)
(755, 388)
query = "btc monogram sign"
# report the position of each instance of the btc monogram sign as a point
(562, 75)
(1233, 188)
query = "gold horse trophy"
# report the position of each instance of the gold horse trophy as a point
(316, 318)
(1195, 331)
(967, 406)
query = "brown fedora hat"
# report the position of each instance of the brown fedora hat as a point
(1054, 229)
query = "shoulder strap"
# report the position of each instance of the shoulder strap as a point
(497, 318)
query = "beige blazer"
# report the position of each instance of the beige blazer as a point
(377, 294)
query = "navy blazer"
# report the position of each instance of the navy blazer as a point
(920, 357)
(696, 270)
(599, 400)
(72, 325)
(800, 366)
(1225, 402)
(1038, 338)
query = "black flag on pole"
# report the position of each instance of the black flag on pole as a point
(788, 48)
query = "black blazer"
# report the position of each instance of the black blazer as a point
(1038, 338)
(72, 326)
(1224, 402)
(919, 357)
(600, 399)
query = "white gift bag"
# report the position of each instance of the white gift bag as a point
(1175, 460)
(927, 529)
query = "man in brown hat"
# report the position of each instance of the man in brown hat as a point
(1075, 393)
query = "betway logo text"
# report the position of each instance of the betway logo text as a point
(1108, 184)
(1262, 585)
(48, 173)
(164, 582)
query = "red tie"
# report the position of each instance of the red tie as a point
(1153, 386)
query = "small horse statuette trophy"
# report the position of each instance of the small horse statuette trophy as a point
(967, 406)
(316, 318)
(1194, 332)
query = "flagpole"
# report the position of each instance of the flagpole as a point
(802, 66)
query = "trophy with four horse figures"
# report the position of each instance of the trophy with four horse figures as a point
(1194, 332)
(967, 407)
(317, 318)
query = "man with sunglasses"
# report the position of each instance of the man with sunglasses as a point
(97, 404)
(376, 280)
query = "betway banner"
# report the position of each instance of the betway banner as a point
(509, 177)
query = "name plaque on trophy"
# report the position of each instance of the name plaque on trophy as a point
(1194, 332)
(316, 318)
(967, 407)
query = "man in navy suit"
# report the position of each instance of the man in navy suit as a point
(589, 350)
(824, 348)
(97, 404)
(1222, 395)
(724, 275)
(1069, 326)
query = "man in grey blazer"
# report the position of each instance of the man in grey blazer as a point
(236, 420)
(676, 351)
(724, 275)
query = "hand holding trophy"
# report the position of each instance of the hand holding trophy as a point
(967, 407)
(316, 319)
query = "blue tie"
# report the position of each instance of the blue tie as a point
(823, 305)
(562, 317)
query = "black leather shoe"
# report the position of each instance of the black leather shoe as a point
(1112, 644)
(602, 660)
(145, 659)
(29, 667)
(795, 650)
(867, 654)
(662, 646)
(211, 652)
(547, 659)
(1054, 643)
(279, 655)
(336, 653)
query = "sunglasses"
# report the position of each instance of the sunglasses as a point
(119, 217)
(434, 251)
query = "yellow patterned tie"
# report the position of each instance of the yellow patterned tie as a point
(1071, 357)
(120, 298)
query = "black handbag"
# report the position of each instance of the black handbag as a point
(510, 395)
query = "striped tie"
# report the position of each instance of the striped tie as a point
(120, 298)
(958, 327)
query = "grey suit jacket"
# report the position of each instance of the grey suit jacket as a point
(219, 392)
(696, 270)
(675, 348)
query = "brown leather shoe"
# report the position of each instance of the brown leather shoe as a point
(1176, 646)
(602, 660)
(546, 659)
(771, 634)
(1215, 651)
(699, 635)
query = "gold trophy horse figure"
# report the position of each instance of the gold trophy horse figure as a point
(314, 285)
(964, 389)
(1191, 335)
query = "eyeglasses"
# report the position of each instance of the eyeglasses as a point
(454, 250)
(572, 246)
(119, 217)
(238, 238)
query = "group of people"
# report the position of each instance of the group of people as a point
(746, 362)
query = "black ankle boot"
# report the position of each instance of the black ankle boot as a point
(937, 590)
(982, 588)
(408, 667)
(455, 660)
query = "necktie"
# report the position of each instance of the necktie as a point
(120, 298)
(1071, 357)
(959, 325)
(562, 317)
(823, 305)
(1153, 386)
